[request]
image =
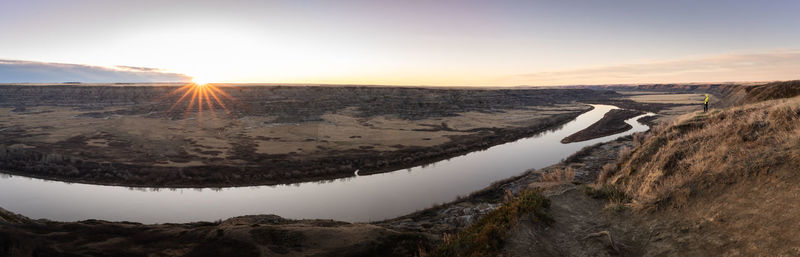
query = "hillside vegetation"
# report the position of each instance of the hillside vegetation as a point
(704, 149)
(720, 183)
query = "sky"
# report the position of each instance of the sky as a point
(458, 43)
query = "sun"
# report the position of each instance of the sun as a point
(200, 81)
(200, 95)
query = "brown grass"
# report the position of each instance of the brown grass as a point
(608, 170)
(699, 150)
(638, 139)
(559, 175)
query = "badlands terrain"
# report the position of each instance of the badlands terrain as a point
(667, 192)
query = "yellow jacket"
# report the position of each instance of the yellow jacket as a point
(706, 98)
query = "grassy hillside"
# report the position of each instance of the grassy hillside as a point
(720, 183)
(700, 150)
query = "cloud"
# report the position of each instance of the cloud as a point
(134, 68)
(15, 71)
(765, 66)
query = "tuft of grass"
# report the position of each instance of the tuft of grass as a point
(559, 175)
(488, 235)
(607, 192)
(608, 170)
(638, 139)
(624, 153)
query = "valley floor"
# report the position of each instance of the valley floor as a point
(582, 226)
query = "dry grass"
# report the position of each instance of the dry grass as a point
(625, 152)
(487, 236)
(608, 170)
(700, 150)
(638, 139)
(559, 175)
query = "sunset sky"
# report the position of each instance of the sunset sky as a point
(465, 43)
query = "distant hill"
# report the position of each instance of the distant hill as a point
(775, 90)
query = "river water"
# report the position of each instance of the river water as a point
(355, 199)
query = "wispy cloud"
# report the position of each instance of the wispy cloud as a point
(134, 68)
(16, 71)
(764, 66)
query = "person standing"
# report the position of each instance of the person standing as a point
(705, 106)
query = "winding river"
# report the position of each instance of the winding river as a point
(355, 199)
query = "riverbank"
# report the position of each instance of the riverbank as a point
(453, 216)
(270, 235)
(612, 122)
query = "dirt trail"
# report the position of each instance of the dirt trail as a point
(582, 227)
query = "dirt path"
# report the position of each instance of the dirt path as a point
(582, 227)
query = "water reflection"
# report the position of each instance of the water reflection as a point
(357, 198)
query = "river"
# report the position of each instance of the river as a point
(356, 199)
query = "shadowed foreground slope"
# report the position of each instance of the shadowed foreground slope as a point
(256, 235)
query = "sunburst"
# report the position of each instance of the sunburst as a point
(200, 96)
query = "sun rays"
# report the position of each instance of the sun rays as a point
(200, 97)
